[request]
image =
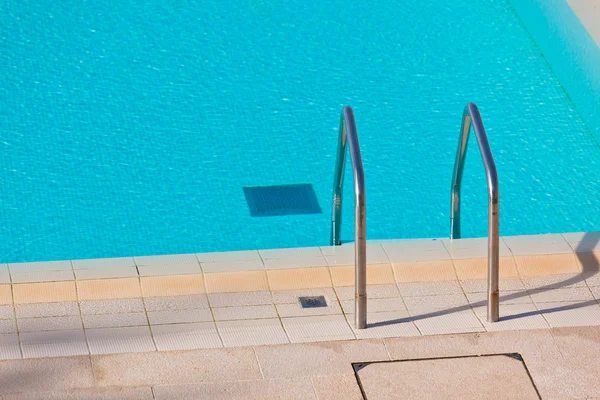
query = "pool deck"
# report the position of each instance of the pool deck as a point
(588, 12)
(95, 317)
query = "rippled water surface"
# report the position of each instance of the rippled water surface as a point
(131, 127)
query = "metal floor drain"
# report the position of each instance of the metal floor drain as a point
(267, 201)
(313, 301)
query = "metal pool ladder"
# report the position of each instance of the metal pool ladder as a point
(348, 136)
(470, 117)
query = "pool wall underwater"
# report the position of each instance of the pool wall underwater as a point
(570, 50)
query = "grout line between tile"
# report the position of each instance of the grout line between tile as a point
(146, 311)
(312, 384)
(87, 343)
(258, 362)
(14, 309)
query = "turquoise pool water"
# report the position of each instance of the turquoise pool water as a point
(131, 128)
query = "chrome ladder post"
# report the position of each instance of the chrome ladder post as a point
(472, 117)
(349, 136)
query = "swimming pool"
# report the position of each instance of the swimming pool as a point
(132, 128)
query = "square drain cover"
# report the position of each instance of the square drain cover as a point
(494, 376)
(313, 301)
(268, 201)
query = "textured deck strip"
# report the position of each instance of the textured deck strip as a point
(416, 288)
(389, 262)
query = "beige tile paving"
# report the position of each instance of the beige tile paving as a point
(42, 276)
(442, 322)
(228, 256)
(49, 323)
(344, 254)
(337, 387)
(554, 281)
(106, 273)
(377, 305)
(243, 281)
(160, 270)
(180, 316)
(561, 295)
(481, 285)
(191, 302)
(317, 328)
(317, 359)
(425, 271)
(240, 299)
(406, 251)
(103, 263)
(244, 312)
(53, 343)
(583, 241)
(293, 279)
(4, 274)
(120, 340)
(561, 314)
(46, 374)
(115, 320)
(9, 347)
(46, 292)
(172, 285)
(299, 252)
(439, 302)
(595, 292)
(6, 294)
(139, 393)
(168, 368)
(470, 378)
(292, 389)
(387, 324)
(60, 309)
(168, 261)
(8, 325)
(64, 265)
(113, 306)
(292, 296)
(296, 310)
(233, 266)
(477, 268)
(252, 332)
(7, 312)
(296, 262)
(506, 297)
(10, 352)
(186, 336)
(537, 244)
(374, 292)
(589, 262)
(377, 274)
(553, 264)
(102, 289)
(592, 279)
(472, 248)
(513, 317)
(429, 288)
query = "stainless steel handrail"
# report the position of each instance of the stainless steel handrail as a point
(470, 117)
(348, 134)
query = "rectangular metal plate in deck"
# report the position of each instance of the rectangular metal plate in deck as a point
(490, 376)
(313, 301)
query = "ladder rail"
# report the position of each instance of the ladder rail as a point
(348, 138)
(472, 117)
